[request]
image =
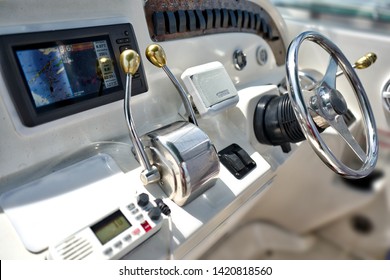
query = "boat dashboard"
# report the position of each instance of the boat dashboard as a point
(155, 129)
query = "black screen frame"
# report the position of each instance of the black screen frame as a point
(118, 36)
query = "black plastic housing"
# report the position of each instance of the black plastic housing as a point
(275, 122)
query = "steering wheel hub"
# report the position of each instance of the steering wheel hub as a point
(330, 102)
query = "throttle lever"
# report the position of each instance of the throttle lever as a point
(156, 55)
(362, 63)
(130, 61)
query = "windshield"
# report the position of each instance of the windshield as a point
(374, 10)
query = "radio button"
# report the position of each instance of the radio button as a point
(118, 244)
(131, 206)
(127, 237)
(146, 226)
(140, 217)
(108, 251)
(122, 40)
(137, 231)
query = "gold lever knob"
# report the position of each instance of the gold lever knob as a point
(156, 55)
(365, 61)
(129, 61)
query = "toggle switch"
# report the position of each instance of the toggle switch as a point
(191, 20)
(209, 17)
(200, 20)
(245, 19)
(232, 19)
(181, 21)
(237, 160)
(170, 22)
(156, 55)
(234, 161)
(244, 157)
(239, 17)
(217, 18)
(158, 23)
(225, 18)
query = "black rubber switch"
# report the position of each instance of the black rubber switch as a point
(239, 16)
(234, 161)
(270, 32)
(258, 22)
(200, 21)
(158, 23)
(232, 19)
(225, 18)
(245, 19)
(245, 158)
(264, 27)
(217, 18)
(252, 23)
(209, 17)
(170, 21)
(191, 20)
(181, 21)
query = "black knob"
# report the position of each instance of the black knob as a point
(163, 207)
(155, 213)
(143, 199)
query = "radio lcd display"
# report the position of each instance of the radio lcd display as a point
(55, 74)
(110, 227)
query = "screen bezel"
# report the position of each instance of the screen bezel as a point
(119, 36)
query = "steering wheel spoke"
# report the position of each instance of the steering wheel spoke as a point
(330, 74)
(341, 127)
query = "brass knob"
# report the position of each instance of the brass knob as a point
(130, 61)
(365, 61)
(156, 55)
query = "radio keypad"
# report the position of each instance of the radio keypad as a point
(136, 232)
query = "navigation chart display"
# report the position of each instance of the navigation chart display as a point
(68, 71)
(53, 74)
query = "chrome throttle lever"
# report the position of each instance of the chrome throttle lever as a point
(183, 153)
(130, 61)
(156, 55)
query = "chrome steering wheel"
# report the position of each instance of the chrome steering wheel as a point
(323, 105)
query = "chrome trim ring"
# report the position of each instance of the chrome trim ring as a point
(239, 60)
